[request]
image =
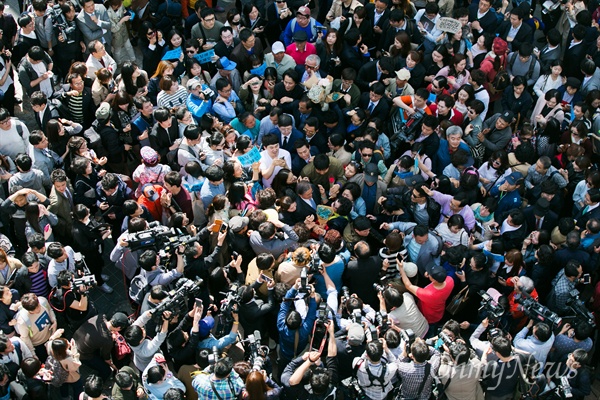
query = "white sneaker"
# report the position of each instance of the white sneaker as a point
(105, 288)
(105, 277)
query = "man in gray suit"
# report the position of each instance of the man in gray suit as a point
(550, 52)
(94, 23)
(423, 248)
(591, 79)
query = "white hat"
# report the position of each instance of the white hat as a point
(411, 269)
(277, 47)
(403, 74)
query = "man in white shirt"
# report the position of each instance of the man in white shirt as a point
(273, 159)
(99, 59)
(14, 135)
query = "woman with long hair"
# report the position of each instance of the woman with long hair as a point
(121, 117)
(352, 192)
(416, 69)
(242, 197)
(271, 79)
(550, 81)
(59, 133)
(252, 20)
(164, 68)
(234, 20)
(329, 49)
(494, 169)
(78, 148)
(133, 79)
(66, 354)
(400, 49)
(86, 181)
(456, 73)
(548, 106)
(480, 48)
(88, 240)
(252, 97)
(459, 45)
(260, 387)
(39, 220)
(360, 21)
(284, 183)
(175, 41)
(193, 70)
(434, 62)
(463, 97)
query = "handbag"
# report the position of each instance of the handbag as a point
(458, 302)
(121, 348)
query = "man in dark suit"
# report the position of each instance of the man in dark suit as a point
(379, 15)
(77, 110)
(354, 53)
(375, 102)
(375, 71)
(306, 109)
(307, 200)
(302, 156)
(253, 311)
(515, 31)
(550, 52)
(575, 53)
(314, 135)
(591, 208)
(429, 139)
(539, 216)
(481, 18)
(44, 110)
(287, 134)
(398, 22)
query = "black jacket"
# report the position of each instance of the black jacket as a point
(161, 139)
(524, 35)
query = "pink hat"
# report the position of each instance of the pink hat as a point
(149, 156)
(304, 11)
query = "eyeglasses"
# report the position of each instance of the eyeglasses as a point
(209, 19)
(150, 33)
(190, 51)
(471, 111)
(310, 67)
(235, 22)
(279, 1)
(5, 122)
(496, 162)
(365, 155)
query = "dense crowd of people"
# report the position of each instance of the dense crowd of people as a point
(389, 200)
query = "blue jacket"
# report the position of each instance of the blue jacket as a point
(198, 107)
(287, 337)
(506, 202)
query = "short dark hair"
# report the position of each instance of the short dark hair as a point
(321, 162)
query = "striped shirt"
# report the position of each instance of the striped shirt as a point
(75, 106)
(39, 283)
(176, 99)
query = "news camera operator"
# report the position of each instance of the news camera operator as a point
(72, 301)
(376, 370)
(253, 311)
(307, 377)
(155, 273)
(460, 372)
(353, 310)
(123, 257)
(69, 39)
(293, 329)
(350, 346)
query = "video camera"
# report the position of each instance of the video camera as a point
(537, 311)
(231, 300)
(407, 131)
(322, 314)
(214, 356)
(86, 281)
(564, 389)
(579, 309)
(314, 267)
(494, 310)
(257, 353)
(550, 5)
(177, 300)
(59, 21)
(158, 238)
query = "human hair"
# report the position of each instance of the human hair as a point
(501, 345)
(60, 347)
(123, 379)
(256, 387)
(147, 260)
(223, 368)
(133, 335)
(374, 350)
(162, 67)
(572, 269)
(166, 82)
(542, 332)
(155, 374)
(519, 80)
(392, 297)
(23, 162)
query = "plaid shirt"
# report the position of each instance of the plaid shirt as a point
(202, 386)
(560, 293)
(412, 375)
